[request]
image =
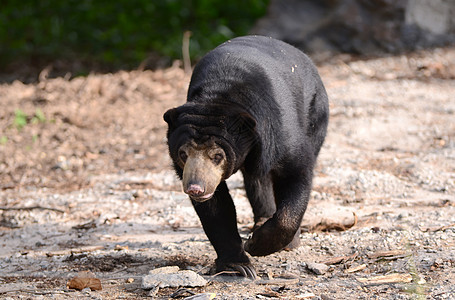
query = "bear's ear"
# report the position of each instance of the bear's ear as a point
(171, 116)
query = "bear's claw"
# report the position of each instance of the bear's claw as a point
(245, 269)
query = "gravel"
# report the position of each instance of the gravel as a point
(96, 192)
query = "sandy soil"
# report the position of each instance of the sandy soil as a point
(86, 185)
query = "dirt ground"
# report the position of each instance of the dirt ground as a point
(86, 185)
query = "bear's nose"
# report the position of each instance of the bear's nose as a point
(194, 190)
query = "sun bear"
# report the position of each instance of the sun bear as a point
(258, 105)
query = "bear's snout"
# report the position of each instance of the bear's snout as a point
(194, 189)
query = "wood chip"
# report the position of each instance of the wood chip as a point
(305, 296)
(356, 268)
(121, 247)
(384, 279)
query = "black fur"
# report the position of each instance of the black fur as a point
(264, 103)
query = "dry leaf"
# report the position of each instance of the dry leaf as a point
(84, 280)
(383, 279)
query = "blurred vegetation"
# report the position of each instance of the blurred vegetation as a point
(120, 33)
(21, 119)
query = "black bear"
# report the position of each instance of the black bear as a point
(257, 105)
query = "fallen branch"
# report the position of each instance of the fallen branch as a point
(32, 208)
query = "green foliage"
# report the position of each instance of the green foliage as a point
(120, 33)
(20, 119)
(38, 117)
(3, 140)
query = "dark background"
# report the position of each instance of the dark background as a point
(120, 34)
(80, 36)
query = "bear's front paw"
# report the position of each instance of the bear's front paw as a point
(258, 245)
(255, 249)
(268, 238)
(245, 269)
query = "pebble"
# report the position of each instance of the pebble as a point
(317, 268)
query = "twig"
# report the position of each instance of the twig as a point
(180, 292)
(437, 228)
(74, 251)
(186, 52)
(388, 253)
(31, 208)
(120, 277)
(35, 292)
(277, 281)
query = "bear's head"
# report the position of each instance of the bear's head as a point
(208, 143)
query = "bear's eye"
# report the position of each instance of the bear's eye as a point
(183, 156)
(217, 158)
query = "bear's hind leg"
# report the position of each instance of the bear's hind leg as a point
(281, 231)
(260, 194)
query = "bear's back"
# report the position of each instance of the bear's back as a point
(259, 64)
(273, 81)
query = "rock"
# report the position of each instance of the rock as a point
(172, 277)
(317, 268)
(358, 26)
(435, 16)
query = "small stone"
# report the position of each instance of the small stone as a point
(165, 270)
(172, 277)
(317, 268)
